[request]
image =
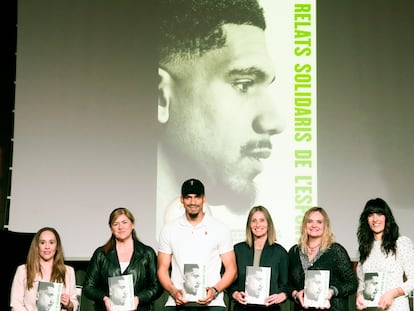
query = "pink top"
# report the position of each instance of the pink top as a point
(22, 299)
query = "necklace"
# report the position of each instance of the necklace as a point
(311, 250)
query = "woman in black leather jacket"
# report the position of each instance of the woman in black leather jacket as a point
(123, 254)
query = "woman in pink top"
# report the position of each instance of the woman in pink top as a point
(45, 262)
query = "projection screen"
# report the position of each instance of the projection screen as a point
(87, 122)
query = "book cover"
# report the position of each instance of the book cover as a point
(194, 281)
(121, 292)
(79, 296)
(257, 286)
(374, 283)
(316, 288)
(48, 296)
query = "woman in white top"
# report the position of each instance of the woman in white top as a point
(382, 249)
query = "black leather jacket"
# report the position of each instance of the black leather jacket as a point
(143, 267)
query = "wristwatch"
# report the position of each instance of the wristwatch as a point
(216, 292)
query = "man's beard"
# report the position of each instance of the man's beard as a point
(193, 215)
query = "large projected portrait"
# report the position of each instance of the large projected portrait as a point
(221, 105)
(123, 103)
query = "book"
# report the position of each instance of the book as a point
(48, 296)
(121, 292)
(374, 283)
(316, 288)
(194, 281)
(257, 285)
(79, 296)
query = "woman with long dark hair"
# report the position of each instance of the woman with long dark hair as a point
(383, 249)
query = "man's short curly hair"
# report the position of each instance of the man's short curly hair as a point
(192, 27)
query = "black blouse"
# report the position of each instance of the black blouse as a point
(342, 273)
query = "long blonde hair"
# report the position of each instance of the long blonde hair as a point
(271, 232)
(33, 260)
(327, 236)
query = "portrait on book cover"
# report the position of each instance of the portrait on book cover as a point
(316, 288)
(48, 296)
(257, 284)
(121, 293)
(194, 281)
(373, 287)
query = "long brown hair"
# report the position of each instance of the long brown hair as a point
(33, 259)
(110, 244)
(327, 236)
(271, 232)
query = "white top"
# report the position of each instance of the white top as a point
(123, 266)
(394, 268)
(202, 244)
